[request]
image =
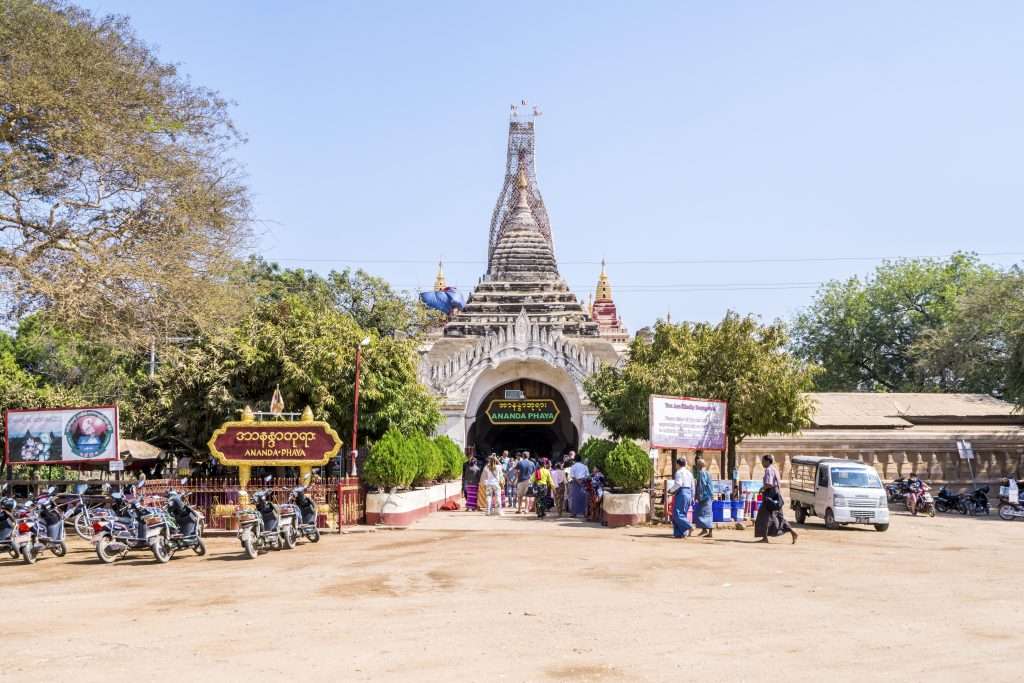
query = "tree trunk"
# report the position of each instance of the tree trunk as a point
(730, 460)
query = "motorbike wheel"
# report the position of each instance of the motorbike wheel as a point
(60, 550)
(14, 553)
(250, 548)
(314, 535)
(289, 537)
(199, 548)
(82, 527)
(941, 506)
(28, 553)
(161, 550)
(962, 507)
(1006, 512)
(102, 551)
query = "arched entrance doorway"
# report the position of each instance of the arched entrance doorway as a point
(541, 423)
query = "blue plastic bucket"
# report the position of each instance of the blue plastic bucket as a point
(719, 510)
(737, 510)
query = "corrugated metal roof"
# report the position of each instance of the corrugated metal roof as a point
(903, 410)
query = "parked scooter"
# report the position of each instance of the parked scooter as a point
(42, 529)
(132, 527)
(305, 520)
(897, 490)
(1009, 501)
(947, 501)
(976, 503)
(265, 527)
(8, 523)
(185, 522)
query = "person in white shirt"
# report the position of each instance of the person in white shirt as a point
(579, 474)
(682, 487)
(492, 479)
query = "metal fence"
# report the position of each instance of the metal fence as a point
(341, 501)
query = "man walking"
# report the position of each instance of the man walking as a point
(524, 477)
(682, 487)
(579, 473)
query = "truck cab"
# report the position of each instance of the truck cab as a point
(839, 491)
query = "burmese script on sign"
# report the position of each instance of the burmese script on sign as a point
(688, 423)
(255, 443)
(529, 411)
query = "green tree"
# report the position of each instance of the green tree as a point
(868, 335)
(21, 389)
(122, 215)
(595, 451)
(451, 454)
(980, 346)
(629, 467)
(391, 463)
(308, 349)
(430, 463)
(738, 360)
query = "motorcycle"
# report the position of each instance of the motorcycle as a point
(42, 529)
(897, 490)
(305, 520)
(947, 501)
(1009, 502)
(8, 524)
(131, 527)
(976, 503)
(918, 499)
(186, 524)
(267, 526)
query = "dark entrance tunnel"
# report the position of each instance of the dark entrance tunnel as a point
(546, 440)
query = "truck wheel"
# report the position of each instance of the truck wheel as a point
(830, 520)
(881, 527)
(801, 514)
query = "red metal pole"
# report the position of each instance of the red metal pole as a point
(355, 411)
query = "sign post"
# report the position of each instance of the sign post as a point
(689, 424)
(966, 451)
(305, 444)
(47, 436)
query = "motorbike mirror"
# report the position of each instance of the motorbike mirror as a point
(184, 480)
(309, 475)
(51, 490)
(268, 478)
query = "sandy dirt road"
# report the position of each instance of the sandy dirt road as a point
(464, 597)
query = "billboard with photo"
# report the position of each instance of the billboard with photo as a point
(47, 436)
(688, 423)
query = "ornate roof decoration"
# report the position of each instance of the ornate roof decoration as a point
(519, 339)
(439, 281)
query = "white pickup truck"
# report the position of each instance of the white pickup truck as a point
(840, 491)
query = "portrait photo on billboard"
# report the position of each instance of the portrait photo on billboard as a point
(60, 435)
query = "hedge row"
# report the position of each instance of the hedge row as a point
(627, 466)
(398, 461)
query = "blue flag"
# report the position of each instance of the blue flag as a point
(445, 300)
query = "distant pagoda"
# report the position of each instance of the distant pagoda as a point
(522, 274)
(604, 312)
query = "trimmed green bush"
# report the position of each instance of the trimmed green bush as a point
(428, 459)
(595, 451)
(391, 463)
(628, 467)
(451, 456)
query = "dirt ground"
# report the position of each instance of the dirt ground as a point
(460, 596)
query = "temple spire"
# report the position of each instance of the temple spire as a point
(604, 311)
(439, 281)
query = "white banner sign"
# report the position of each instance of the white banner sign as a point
(688, 423)
(68, 435)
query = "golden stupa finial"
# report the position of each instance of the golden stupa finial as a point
(439, 281)
(604, 288)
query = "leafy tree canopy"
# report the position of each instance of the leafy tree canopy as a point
(737, 360)
(920, 325)
(120, 212)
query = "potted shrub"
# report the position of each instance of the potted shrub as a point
(628, 468)
(393, 464)
(595, 451)
(452, 460)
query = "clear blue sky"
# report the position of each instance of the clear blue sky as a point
(671, 131)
